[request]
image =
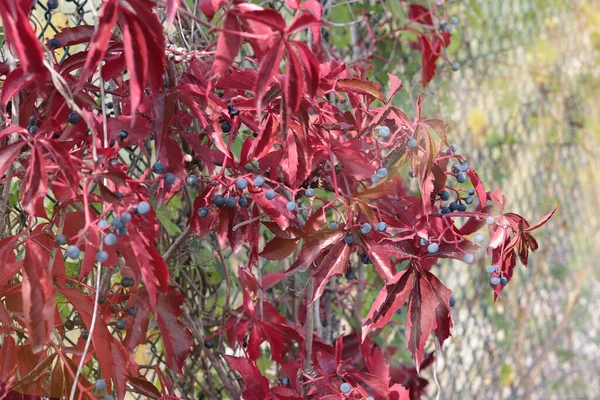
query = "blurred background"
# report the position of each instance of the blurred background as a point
(524, 108)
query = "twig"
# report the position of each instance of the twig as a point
(171, 250)
(233, 392)
(91, 332)
(308, 338)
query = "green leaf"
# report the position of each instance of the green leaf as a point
(164, 217)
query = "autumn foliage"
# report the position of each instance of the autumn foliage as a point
(262, 100)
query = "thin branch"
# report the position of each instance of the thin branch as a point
(91, 332)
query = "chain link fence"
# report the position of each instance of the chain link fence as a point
(525, 107)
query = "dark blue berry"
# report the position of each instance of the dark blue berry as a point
(366, 228)
(259, 180)
(433, 248)
(122, 231)
(444, 195)
(453, 206)
(158, 168)
(191, 180)
(209, 343)
(131, 310)
(310, 192)
(446, 210)
(219, 200)
(110, 239)
(202, 212)
(349, 239)
(452, 301)
(243, 201)
(469, 200)
(285, 380)
(381, 226)
(226, 127)
(169, 178)
(241, 183)
(143, 207)
(230, 202)
(32, 129)
(117, 222)
(462, 207)
(73, 252)
(364, 258)
(122, 134)
(101, 256)
(350, 275)
(471, 192)
(54, 43)
(494, 280)
(120, 324)
(100, 384)
(332, 225)
(291, 206)
(61, 239)
(455, 67)
(503, 280)
(52, 4)
(423, 242)
(73, 118)
(270, 194)
(126, 218)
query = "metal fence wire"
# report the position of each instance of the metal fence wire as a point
(524, 107)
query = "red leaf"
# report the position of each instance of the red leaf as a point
(268, 66)
(136, 58)
(375, 360)
(101, 336)
(176, 338)
(428, 310)
(19, 33)
(256, 386)
(429, 55)
(152, 265)
(313, 247)
(228, 46)
(275, 209)
(478, 185)
(278, 249)
(143, 387)
(334, 264)
(99, 44)
(137, 326)
(390, 298)
(38, 295)
(266, 138)
(267, 16)
(8, 154)
(315, 221)
(359, 86)
(15, 82)
(311, 68)
(71, 36)
(294, 80)
(172, 6)
(542, 221)
(210, 7)
(354, 162)
(36, 185)
(420, 14)
(8, 359)
(395, 85)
